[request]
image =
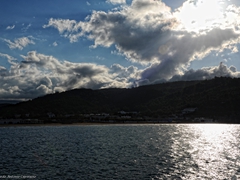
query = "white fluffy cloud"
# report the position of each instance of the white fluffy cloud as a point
(55, 44)
(135, 30)
(8, 57)
(19, 43)
(67, 28)
(10, 27)
(62, 25)
(38, 74)
(117, 1)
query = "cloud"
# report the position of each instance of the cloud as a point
(62, 24)
(55, 44)
(131, 29)
(67, 28)
(197, 16)
(13, 63)
(149, 33)
(24, 29)
(10, 27)
(116, 1)
(38, 74)
(19, 43)
(126, 72)
(180, 52)
(8, 57)
(208, 73)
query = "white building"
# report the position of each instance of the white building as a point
(188, 110)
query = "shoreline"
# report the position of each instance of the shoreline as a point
(96, 123)
(78, 124)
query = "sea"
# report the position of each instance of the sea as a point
(147, 151)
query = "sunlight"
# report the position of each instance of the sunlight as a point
(212, 145)
(200, 15)
(212, 136)
(205, 150)
(212, 131)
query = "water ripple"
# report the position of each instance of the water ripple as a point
(122, 152)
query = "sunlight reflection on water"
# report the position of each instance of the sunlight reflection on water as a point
(215, 151)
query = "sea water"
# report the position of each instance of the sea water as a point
(166, 151)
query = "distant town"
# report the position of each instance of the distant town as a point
(119, 117)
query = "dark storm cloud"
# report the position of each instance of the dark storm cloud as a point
(185, 49)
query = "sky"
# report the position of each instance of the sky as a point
(58, 45)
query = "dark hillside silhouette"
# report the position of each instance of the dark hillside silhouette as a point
(219, 97)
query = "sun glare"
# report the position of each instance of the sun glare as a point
(200, 15)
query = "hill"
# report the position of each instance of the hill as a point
(219, 97)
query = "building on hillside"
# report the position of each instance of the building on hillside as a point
(203, 120)
(51, 115)
(10, 121)
(188, 110)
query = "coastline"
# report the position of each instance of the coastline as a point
(50, 124)
(75, 124)
(97, 124)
